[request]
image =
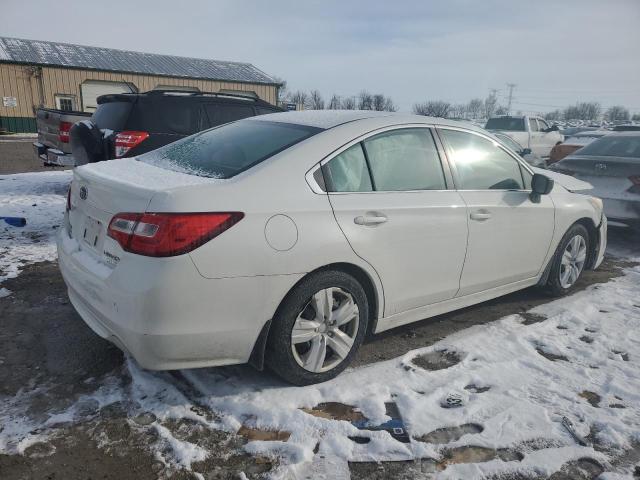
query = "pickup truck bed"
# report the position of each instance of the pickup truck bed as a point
(53, 146)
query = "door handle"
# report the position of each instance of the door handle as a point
(480, 216)
(370, 219)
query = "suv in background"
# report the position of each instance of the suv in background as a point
(129, 124)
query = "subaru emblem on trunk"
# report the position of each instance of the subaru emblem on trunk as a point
(83, 193)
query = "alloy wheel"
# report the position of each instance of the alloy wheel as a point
(325, 330)
(572, 263)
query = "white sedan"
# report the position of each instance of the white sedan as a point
(283, 239)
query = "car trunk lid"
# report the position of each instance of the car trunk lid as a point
(101, 190)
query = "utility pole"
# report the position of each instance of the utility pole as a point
(511, 87)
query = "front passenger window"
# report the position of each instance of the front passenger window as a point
(481, 164)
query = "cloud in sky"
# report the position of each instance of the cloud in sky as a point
(556, 52)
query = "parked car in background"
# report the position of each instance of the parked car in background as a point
(530, 132)
(53, 146)
(287, 237)
(627, 128)
(530, 157)
(612, 165)
(129, 124)
(575, 142)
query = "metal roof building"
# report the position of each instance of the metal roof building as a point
(36, 73)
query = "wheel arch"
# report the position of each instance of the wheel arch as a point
(256, 359)
(594, 239)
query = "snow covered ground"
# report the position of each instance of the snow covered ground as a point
(40, 198)
(516, 379)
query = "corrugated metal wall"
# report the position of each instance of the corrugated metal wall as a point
(20, 81)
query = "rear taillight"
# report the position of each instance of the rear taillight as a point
(125, 141)
(63, 131)
(168, 234)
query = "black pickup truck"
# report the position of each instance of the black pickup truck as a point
(129, 124)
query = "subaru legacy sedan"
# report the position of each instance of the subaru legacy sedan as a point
(282, 240)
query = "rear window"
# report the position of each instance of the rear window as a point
(112, 115)
(613, 146)
(506, 123)
(228, 150)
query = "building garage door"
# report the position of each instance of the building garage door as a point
(92, 89)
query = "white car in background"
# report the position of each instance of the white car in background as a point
(533, 133)
(287, 237)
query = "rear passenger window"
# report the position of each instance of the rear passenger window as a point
(405, 160)
(222, 113)
(481, 164)
(348, 171)
(533, 123)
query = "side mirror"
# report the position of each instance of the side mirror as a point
(525, 151)
(540, 185)
(553, 128)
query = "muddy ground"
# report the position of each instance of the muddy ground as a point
(45, 346)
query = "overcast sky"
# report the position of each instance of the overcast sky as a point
(557, 52)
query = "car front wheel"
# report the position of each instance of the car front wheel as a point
(318, 328)
(569, 261)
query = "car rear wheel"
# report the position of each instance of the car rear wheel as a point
(569, 261)
(318, 328)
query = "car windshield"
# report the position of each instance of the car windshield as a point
(613, 146)
(506, 123)
(228, 150)
(510, 142)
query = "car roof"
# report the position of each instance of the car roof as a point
(326, 119)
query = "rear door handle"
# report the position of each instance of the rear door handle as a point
(480, 216)
(370, 219)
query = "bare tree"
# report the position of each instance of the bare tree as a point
(617, 112)
(299, 98)
(389, 106)
(432, 108)
(501, 110)
(334, 103)
(475, 108)
(458, 111)
(283, 92)
(365, 101)
(348, 103)
(315, 101)
(490, 105)
(553, 116)
(583, 111)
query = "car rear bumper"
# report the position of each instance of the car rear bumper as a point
(163, 312)
(52, 156)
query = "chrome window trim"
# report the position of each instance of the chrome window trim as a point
(444, 163)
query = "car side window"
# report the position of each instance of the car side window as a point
(224, 113)
(348, 172)
(405, 159)
(481, 164)
(533, 123)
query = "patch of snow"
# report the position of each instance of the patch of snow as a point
(40, 198)
(4, 292)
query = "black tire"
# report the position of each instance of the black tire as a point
(279, 356)
(554, 285)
